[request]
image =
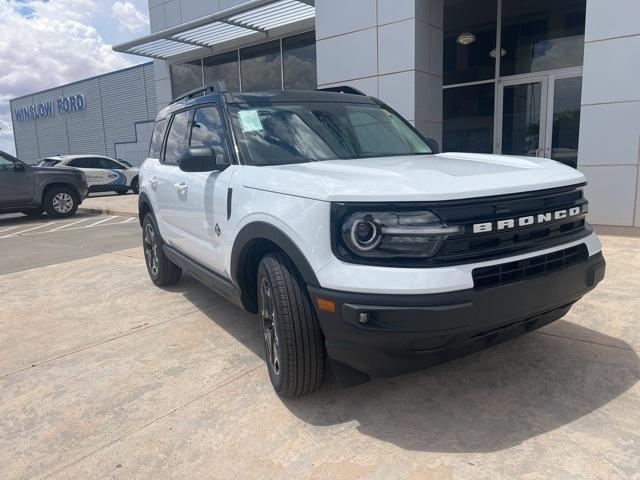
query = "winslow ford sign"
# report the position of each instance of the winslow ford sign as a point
(63, 105)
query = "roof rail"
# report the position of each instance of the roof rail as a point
(192, 93)
(343, 89)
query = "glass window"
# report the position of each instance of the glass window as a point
(222, 68)
(6, 164)
(469, 40)
(87, 162)
(177, 138)
(468, 119)
(207, 131)
(521, 119)
(312, 131)
(542, 35)
(566, 120)
(157, 137)
(110, 164)
(299, 62)
(185, 77)
(260, 67)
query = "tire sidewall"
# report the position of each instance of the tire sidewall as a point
(277, 380)
(149, 219)
(48, 202)
(135, 186)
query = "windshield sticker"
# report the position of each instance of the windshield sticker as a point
(250, 120)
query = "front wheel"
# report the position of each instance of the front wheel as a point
(293, 342)
(60, 202)
(161, 270)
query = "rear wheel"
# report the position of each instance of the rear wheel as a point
(60, 202)
(293, 341)
(135, 185)
(161, 270)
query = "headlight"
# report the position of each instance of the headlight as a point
(393, 235)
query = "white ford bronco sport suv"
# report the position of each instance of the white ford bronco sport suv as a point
(333, 219)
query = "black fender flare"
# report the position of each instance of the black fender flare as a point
(144, 204)
(262, 230)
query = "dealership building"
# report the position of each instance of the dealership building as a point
(553, 78)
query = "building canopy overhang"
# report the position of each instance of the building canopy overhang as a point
(246, 23)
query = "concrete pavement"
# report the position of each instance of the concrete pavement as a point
(111, 204)
(105, 376)
(36, 242)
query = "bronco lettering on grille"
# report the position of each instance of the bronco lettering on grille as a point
(509, 223)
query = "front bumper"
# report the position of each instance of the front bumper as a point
(409, 332)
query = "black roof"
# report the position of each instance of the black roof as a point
(267, 97)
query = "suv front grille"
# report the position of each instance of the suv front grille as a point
(514, 271)
(469, 246)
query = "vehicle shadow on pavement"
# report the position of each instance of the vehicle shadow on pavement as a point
(484, 402)
(488, 401)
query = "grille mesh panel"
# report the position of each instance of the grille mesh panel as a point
(514, 271)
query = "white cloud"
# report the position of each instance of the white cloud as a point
(45, 44)
(129, 17)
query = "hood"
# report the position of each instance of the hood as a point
(446, 176)
(58, 170)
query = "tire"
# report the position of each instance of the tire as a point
(121, 191)
(60, 202)
(293, 341)
(135, 185)
(161, 270)
(33, 212)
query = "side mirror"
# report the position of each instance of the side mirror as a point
(19, 167)
(433, 145)
(199, 159)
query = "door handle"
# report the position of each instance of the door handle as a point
(181, 188)
(154, 183)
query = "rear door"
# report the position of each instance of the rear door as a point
(200, 203)
(114, 173)
(16, 182)
(167, 175)
(96, 178)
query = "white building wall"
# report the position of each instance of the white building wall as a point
(609, 151)
(391, 49)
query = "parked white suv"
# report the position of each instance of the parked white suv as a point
(333, 219)
(103, 174)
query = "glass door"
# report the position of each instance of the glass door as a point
(522, 117)
(539, 116)
(563, 124)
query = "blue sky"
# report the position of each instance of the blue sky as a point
(44, 44)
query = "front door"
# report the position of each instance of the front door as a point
(200, 202)
(16, 182)
(539, 116)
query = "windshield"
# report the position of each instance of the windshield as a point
(286, 133)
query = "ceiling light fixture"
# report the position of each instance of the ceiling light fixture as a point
(466, 38)
(492, 53)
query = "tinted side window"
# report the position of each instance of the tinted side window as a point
(156, 138)
(177, 138)
(84, 163)
(6, 164)
(110, 164)
(207, 131)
